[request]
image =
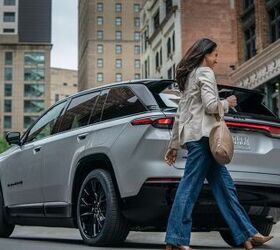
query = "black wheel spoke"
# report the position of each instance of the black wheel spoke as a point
(92, 208)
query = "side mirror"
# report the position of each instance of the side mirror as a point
(13, 138)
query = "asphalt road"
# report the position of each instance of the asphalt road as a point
(39, 238)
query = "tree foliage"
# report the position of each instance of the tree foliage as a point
(3, 145)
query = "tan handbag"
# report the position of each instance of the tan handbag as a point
(220, 140)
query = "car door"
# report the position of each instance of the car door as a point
(23, 175)
(65, 149)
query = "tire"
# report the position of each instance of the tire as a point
(263, 228)
(6, 229)
(98, 212)
(227, 237)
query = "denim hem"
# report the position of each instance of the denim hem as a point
(177, 241)
(239, 239)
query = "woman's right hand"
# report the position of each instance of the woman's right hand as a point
(170, 156)
(232, 101)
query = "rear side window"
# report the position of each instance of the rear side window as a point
(121, 101)
(79, 111)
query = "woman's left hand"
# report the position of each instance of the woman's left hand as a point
(170, 156)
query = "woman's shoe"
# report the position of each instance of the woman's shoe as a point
(180, 247)
(259, 240)
(248, 245)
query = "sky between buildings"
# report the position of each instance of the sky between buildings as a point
(64, 34)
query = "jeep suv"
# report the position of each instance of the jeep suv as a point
(95, 161)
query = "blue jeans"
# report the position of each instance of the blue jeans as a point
(200, 164)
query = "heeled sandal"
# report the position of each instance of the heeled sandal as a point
(171, 247)
(260, 240)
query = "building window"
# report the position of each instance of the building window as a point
(99, 20)
(118, 49)
(8, 89)
(99, 48)
(118, 77)
(8, 30)
(34, 106)
(248, 4)
(34, 59)
(118, 35)
(160, 56)
(118, 21)
(168, 47)
(7, 106)
(99, 63)
(136, 8)
(8, 74)
(145, 39)
(100, 7)
(168, 7)
(136, 22)
(7, 121)
(136, 36)
(9, 17)
(136, 76)
(118, 7)
(173, 41)
(250, 42)
(34, 74)
(118, 63)
(136, 50)
(56, 97)
(157, 61)
(9, 2)
(34, 90)
(99, 35)
(156, 20)
(174, 70)
(8, 58)
(137, 64)
(169, 73)
(274, 22)
(100, 77)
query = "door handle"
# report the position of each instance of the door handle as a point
(82, 136)
(37, 149)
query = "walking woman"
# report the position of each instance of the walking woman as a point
(194, 120)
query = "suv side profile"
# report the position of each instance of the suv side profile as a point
(94, 161)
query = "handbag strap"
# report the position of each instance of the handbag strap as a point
(221, 111)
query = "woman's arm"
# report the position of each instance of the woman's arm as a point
(174, 142)
(209, 95)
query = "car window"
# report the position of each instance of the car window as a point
(96, 114)
(79, 111)
(121, 101)
(45, 125)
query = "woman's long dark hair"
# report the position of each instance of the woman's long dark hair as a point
(193, 58)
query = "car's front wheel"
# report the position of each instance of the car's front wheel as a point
(98, 212)
(6, 229)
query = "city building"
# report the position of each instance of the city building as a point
(109, 41)
(25, 44)
(63, 83)
(258, 65)
(170, 27)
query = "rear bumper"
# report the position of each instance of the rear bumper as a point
(151, 207)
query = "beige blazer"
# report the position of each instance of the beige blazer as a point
(198, 104)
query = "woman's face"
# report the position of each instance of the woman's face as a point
(211, 59)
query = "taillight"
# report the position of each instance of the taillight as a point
(271, 130)
(166, 122)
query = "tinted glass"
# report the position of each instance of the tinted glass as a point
(79, 111)
(121, 102)
(96, 114)
(45, 126)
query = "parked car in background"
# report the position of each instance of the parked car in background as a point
(95, 161)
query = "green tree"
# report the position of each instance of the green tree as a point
(3, 145)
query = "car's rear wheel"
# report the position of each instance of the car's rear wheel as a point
(227, 237)
(6, 229)
(98, 212)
